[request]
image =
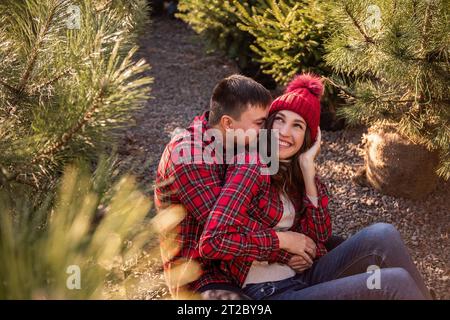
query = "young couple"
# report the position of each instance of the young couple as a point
(268, 236)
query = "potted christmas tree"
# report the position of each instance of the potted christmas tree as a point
(397, 53)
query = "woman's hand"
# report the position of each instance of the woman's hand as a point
(299, 264)
(298, 244)
(307, 158)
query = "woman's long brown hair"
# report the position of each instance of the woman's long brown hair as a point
(289, 178)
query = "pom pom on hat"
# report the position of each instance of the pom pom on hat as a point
(306, 81)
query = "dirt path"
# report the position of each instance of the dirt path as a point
(184, 78)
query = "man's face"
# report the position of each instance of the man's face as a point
(249, 124)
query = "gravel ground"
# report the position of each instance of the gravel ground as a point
(184, 78)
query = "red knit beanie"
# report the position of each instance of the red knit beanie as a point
(302, 96)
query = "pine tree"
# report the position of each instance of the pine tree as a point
(288, 36)
(64, 250)
(398, 54)
(68, 77)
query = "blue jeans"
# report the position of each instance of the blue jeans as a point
(342, 272)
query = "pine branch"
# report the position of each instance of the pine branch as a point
(358, 26)
(66, 137)
(34, 53)
(32, 61)
(26, 182)
(106, 5)
(346, 91)
(51, 81)
(422, 101)
(10, 88)
(425, 28)
(6, 178)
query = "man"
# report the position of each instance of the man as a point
(192, 170)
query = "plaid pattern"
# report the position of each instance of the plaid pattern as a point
(196, 186)
(240, 227)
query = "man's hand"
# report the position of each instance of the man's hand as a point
(299, 264)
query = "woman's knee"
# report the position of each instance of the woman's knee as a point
(395, 275)
(399, 282)
(383, 233)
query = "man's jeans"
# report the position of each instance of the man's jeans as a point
(343, 272)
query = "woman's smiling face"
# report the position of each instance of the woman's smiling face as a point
(292, 128)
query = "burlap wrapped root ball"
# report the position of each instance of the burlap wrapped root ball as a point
(396, 166)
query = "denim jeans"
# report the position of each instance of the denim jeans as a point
(342, 272)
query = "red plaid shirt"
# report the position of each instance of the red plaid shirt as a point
(196, 185)
(240, 228)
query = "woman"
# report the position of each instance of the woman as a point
(270, 232)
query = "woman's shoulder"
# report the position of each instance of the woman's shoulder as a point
(249, 165)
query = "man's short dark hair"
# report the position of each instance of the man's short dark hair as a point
(234, 94)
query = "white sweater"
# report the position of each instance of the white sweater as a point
(262, 271)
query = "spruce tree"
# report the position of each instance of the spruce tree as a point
(398, 54)
(288, 36)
